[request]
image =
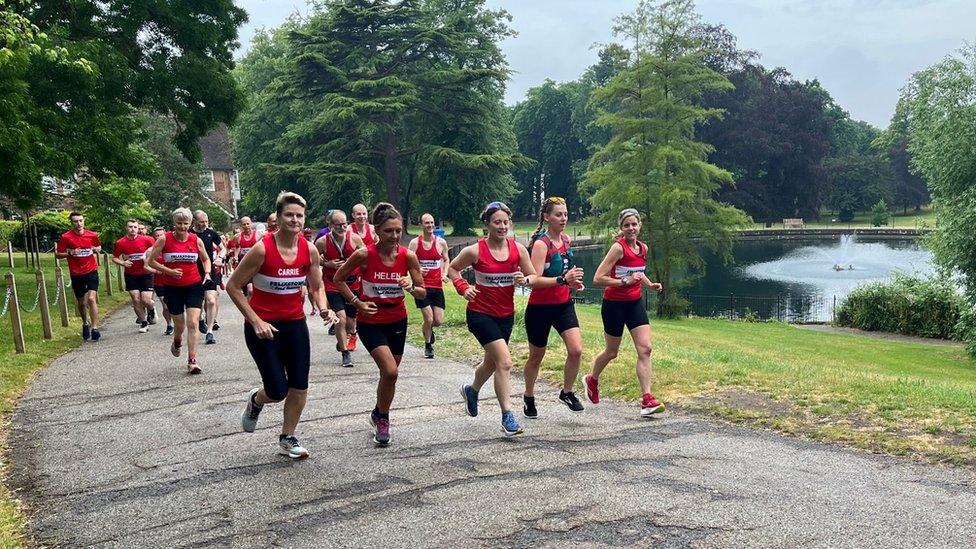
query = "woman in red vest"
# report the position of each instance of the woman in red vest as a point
(388, 272)
(500, 263)
(275, 331)
(179, 251)
(622, 275)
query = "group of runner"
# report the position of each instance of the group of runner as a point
(357, 277)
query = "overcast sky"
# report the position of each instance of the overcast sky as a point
(862, 51)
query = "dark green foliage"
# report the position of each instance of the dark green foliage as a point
(397, 100)
(905, 305)
(880, 214)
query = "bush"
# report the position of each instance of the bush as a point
(9, 231)
(905, 305)
(880, 214)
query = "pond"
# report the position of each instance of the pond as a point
(792, 280)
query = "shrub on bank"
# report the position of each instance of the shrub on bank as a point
(905, 305)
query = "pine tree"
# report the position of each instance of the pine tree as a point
(652, 162)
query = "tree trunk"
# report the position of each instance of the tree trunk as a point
(391, 170)
(406, 203)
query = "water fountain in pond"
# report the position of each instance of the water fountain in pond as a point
(838, 268)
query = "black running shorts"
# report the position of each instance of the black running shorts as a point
(435, 298)
(180, 298)
(338, 303)
(617, 314)
(487, 328)
(82, 284)
(541, 318)
(392, 335)
(283, 361)
(139, 283)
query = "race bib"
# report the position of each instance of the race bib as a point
(431, 263)
(135, 257)
(84, 252)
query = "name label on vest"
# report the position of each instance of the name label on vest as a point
(620, 271)
(431, 263)
(84, 252)
(136, 257)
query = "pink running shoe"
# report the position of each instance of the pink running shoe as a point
(650, 405)
(192, 366)
(592, 389)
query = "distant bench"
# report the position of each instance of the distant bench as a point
(789, 223)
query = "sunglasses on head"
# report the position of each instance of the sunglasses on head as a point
(496, 204)
(556, 200)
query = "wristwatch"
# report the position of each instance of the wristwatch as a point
(561, 280)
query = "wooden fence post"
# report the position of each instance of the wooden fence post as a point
(108, 275)
(42, 303)
(62, 292)
(15, 315)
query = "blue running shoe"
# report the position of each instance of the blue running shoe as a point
(510, 426)
(470, 397)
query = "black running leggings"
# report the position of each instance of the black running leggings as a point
(284, 360)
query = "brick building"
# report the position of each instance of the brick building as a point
(220, 184)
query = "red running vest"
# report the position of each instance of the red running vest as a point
(278, 285)
(134, 250)
(495, 281)
(368, 235)
(333, 252)
(381, 286)
(181, 256)
(433, 260)
(245, 244)
(629, 264)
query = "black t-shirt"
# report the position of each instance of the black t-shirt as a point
(211, 239)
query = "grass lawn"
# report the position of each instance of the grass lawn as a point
(889, 396)
(16, 370)
(912, 220)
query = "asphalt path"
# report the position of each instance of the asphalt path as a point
(115, 445)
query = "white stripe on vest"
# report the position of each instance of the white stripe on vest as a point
(495, 280)
(431, 263)
(381, 290)
(620, 271)
(278, 285)
(180, 257)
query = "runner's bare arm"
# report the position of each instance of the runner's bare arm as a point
(446, 256)
(465, 258)
(531, 279)
(356, 260)
(153, 259)
(416, 278)
(249, 266)
(315, 287)
(602, 275)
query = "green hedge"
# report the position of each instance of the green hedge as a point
(905, 305)
(9, 231)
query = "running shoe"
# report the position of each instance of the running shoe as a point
(249, 418)
(510, 426)
(86, 332)
(192, 366)
(570, 400)
(151, 315)
(470, 397)
(138, 322)
(210, 340)
(592, 389)
(528, 407)
(203, 326)
(346, 359)
(332, 329)
(215, 327)
(650, 405)
(428, 350)
(144, 327)
(288, 446)
(351, 342)
(96, 335)
(169, 330)
(381, 429)
(175, 347)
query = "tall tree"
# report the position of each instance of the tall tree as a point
(370, 87)
(910, 189)
(940, 109)
(653, 161)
